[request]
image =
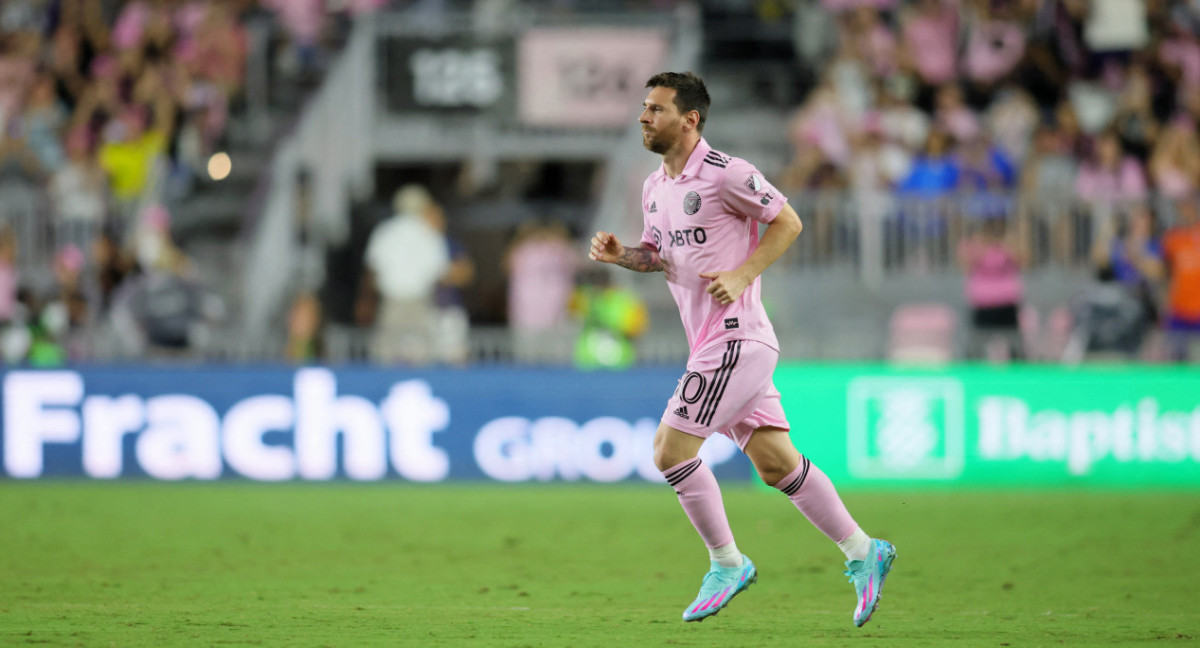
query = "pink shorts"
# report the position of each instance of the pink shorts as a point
(728, 389)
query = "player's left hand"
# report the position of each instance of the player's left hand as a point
(726, 285)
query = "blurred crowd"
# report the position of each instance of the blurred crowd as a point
(1017, 103)
(115, 109)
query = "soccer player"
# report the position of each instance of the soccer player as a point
(702, 211)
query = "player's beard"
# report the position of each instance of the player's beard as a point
(658, 141)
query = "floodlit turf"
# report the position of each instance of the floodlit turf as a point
(298, 565)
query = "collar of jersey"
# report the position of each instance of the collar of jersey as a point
(692, 168)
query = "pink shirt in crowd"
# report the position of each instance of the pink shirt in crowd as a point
(931, 41)
(1127, 182)
(8, 292)
(543, 278)
(993, 50)
(301, 18)
(706, 220)
(993, 275)
(1183, 52)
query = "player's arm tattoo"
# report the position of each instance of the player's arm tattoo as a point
(640, 260)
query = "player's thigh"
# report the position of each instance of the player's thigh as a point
(673, 447)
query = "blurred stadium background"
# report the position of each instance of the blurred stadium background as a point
(996, 285)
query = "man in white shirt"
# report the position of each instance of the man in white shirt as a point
(406, 256)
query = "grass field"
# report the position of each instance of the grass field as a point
(234, 564)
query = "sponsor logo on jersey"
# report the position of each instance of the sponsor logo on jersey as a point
(681, 412)
(731, 323)
(653, 208)
(755, 183)
(689, 236)
(691, 203)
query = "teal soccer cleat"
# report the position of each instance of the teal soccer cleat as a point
(720, 585)
(868, 577)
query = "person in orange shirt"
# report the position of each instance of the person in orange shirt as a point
(1181, 252)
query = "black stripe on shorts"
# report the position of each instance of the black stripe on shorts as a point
(733, 350)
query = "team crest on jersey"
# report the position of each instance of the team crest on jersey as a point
(691, 203)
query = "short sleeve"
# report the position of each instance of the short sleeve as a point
(745, 192)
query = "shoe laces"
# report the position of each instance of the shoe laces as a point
(856, 576)
(719, 576)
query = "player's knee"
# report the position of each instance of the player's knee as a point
(771, 475)
(666, 457)
(772, 470)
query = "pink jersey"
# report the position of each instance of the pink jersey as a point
(706, 220)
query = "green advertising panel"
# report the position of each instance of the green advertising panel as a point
(871, 425)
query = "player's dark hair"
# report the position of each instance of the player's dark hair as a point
(690, 93)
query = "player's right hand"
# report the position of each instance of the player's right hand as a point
(605, 248)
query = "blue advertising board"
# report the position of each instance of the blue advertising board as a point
(316, 423)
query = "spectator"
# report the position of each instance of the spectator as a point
(406, 256)
(1116, 27)
(66, 312)
(9, 277)
(1050, 172)
(1175, 164)
(995, 44)
(303, 21)
(929, 36)
(878, 164)
(953, 115)
(112, 264)
(1179, 55)
(612, 319)
(929, 32)
(821, 123)
(992, 260)
(1181, 252)
(541, 264)
(984, 167)
(872, 41)
(454, 325)
(1011, 119)
(1134, 121)
(899, 120)
(162, 312)
(1109, 175)
(304, 329)
(43, 123)
(1108, 323)
(132, 147)
(935, 172)
(78, 190)
(1132, 254)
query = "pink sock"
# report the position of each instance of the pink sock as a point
(701, 500)
(812, 492)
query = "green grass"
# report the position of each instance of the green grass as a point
(234, 564)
